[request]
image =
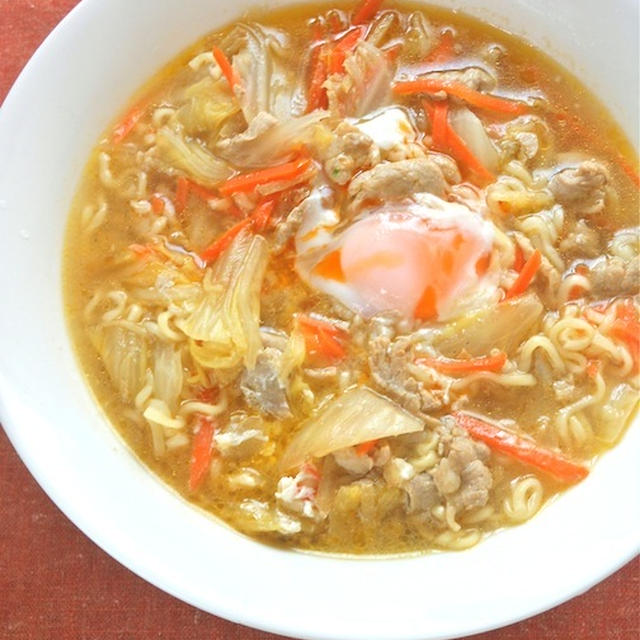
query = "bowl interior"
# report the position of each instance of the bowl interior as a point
(52, 118)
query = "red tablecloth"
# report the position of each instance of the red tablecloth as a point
(55, 583)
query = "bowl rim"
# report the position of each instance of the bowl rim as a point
(13, 416)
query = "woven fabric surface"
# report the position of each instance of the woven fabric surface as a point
(56, 584)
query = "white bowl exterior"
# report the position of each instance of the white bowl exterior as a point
(70, 90)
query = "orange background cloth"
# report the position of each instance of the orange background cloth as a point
(55, 583)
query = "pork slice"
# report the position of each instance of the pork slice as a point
(423, 494)
(461, 476)
(475, 78)
(581, 242)
(582, 188)
(388, 363)
(350, 151)
(612, 276)
(241, 143)
(475, 482)
(262, 387)
(397, 180)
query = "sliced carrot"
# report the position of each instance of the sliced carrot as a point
(365, 447)
(343, 47)
(157, 205)
(459, 90)
(464, 156)
(201, 452)
(182, 193)
(443, 51)
(367, 10)
(282, 172)
(257, 221)
(334, 22)
(317, 94)
(262, 214)
(321, 338)
(522, 449)
(439, 125)
(226, 68)
(444, 138)
(452, 366)
(526, 276)
(518, 261)
(128, 123)
(212, 252)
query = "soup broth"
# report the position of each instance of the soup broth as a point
(361, 279)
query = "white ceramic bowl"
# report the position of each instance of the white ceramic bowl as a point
(70, 90)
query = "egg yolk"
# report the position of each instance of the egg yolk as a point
(416, 265)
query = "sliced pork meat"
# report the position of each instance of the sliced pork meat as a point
(397, 180)
(350, 151)
(262, 387)
(243, 143)
(388, 363)
(475, 78)
(448, 166)
(615, 276)
(581, 242)
(461, 476)
(423, 494)
(582, 188)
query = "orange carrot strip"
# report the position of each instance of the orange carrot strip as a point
(249, 181)
(464, 155)
(344, 46)
(317, 94)
(321, 338)
(226, 68)
(365, 447)
(367, 10)
(459, 90)
(257, 221)
(182, 193)
(262, 214)
(527, 274)
(521, 449)
(220, 244)
(470, 365)
(439, 125)
(128, 123)
(518, 261)
(157, 204)
(444, 138)
(201, 452)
